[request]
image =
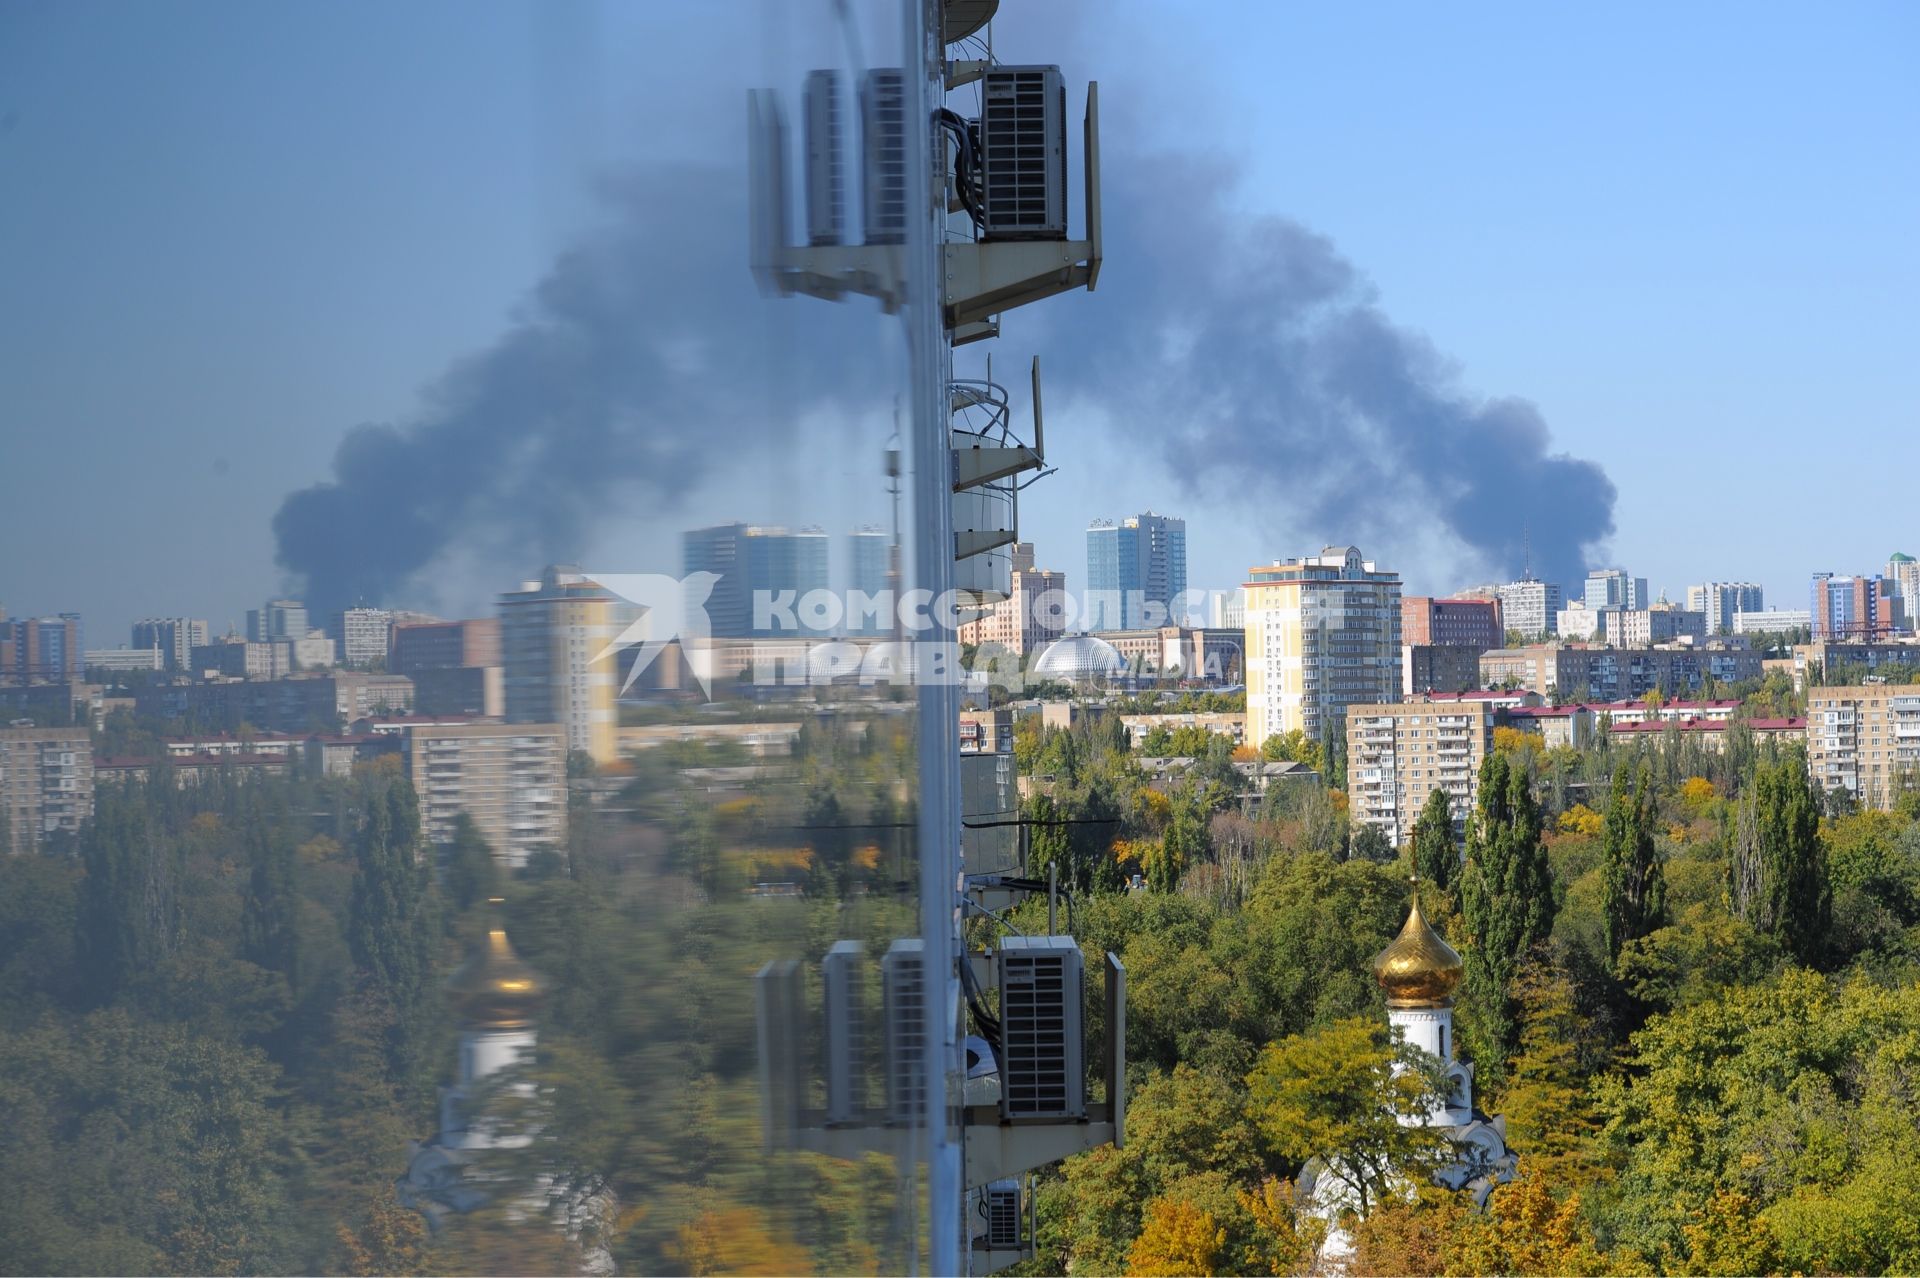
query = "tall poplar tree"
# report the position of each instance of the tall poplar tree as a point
(1506, 899)
(1436, 858)
(1779, 866)
(1635, 885)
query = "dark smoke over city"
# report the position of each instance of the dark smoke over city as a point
(1261, 357)
(1247, 345)
(624, 378)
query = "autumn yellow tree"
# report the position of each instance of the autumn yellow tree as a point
(1176, 1240)
(1526, 1230)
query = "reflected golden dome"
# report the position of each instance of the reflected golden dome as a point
(1418, 969)
(495, 989)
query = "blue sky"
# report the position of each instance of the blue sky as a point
(230, 233)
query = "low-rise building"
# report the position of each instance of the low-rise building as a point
(125, 659)
(243, 659)
(986, 731)
(1661, 623)
(760, 740)
(1231, 724)
(1439, 667)
(1555, 725)
(46, 783)
(1616, 674)
(511, 779)
(1398, 754)
(1821, 658)
(1772, 621)
(1865, 740)
(1712, 734)
(301, 703)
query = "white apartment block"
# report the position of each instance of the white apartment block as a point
(1772, 621)
(1531, 607)
(511, 779)
(46, 783)
(363, 634)
(1399, 754)
(1864, 739)
(1323, 633)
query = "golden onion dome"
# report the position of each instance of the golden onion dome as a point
(495, 989)
(1418, 969)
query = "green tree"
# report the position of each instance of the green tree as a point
(1345, 1095)
(1506, 900)
(270, 922)
(1436, 858)
(388, 917)
(1779, 870)
(1635, 885)
(472, 874)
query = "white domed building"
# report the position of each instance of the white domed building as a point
(1079, 659)
(1419, 973)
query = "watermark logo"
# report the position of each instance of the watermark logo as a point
(671, 608)
(790, 638)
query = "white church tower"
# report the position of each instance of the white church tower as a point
(496, 996)
(1420, 973)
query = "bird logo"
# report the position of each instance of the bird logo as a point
(671, 608)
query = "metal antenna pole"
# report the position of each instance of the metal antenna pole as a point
(935, 653)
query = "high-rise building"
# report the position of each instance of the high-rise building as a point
(1865, 740)
(1323, 633)
(46, 783)
(1529, 607)
(869, 555)
(511, 779)
(1450, 623)
(1229, 609)
(1030, 617)
(364, 634)
(277, 619)
(764, 575)
(175, 637)
(1721, 601)
(1398, 755)
(1903, 571)
(42, 649)
(1136, 572)
(1853, 607)
(552, 632)
(1613, 588)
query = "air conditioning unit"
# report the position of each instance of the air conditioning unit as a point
(840, 981)
(1042, 1047)
(1023, 154)
(1002, 1199)
(883, 141)
(903, 987)
(826, 173)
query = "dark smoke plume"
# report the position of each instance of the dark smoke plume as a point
(1247, 343)
(637, 366)
(1259, 354)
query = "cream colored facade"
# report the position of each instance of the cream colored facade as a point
(1399, 754)
(1864, 739)
(510, 778)
(46, 783)
(1323, 634)
(552, 633)
(1027, 620)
